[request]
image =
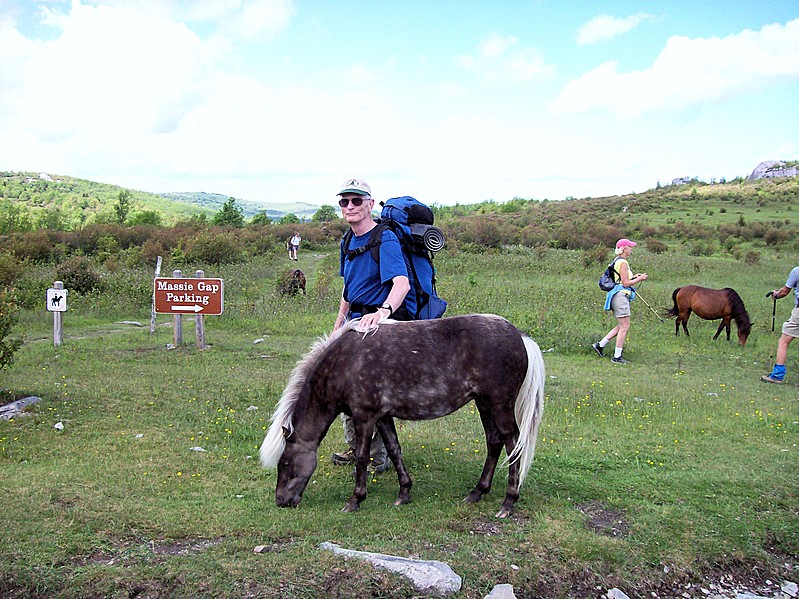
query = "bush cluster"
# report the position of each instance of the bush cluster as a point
(8, 318)
(79, 275)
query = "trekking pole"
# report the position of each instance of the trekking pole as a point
(638, 295)
(773, 317)
(773, 311)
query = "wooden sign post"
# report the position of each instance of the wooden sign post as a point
(152, 311)
(57, 304)
(198, 296)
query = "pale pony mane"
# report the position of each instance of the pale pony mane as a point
(275, 441)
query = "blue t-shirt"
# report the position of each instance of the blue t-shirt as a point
(793, 283)
(366, 283)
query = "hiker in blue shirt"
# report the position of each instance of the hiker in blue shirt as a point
(790, 329)
(372, 292)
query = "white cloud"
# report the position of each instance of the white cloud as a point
(689, 72)
(125, 85)
(605, 27)
(501, 58)
(253, 18)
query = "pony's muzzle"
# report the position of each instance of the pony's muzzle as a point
(293, 501)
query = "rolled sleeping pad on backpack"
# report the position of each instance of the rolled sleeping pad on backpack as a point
(431, 237)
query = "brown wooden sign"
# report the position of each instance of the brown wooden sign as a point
(188, 296)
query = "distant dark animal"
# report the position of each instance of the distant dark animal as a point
(429, 368)
(291, 282)
(710, 304)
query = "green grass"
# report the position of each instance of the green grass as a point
(695, 454)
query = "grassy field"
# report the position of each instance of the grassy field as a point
(678, 468)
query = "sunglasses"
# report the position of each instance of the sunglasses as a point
(355, 201)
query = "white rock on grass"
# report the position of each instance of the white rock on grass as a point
(430, 576)
(501, 591)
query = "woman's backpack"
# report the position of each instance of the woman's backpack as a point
(606, 281)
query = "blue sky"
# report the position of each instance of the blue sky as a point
(277, 101)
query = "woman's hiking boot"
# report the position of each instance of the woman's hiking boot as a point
(619, 360)
(343, 458)
(598, 349)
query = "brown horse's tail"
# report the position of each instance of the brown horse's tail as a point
(675, 310)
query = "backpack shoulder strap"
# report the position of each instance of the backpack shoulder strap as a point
(372, 244)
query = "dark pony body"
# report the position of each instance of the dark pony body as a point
(711, 304)
(292, 282)
(417, 370)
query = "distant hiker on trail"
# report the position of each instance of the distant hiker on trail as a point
(294, 245)
(618, 299)
(372, 291)
(790, 329)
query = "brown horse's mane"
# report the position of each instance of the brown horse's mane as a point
(739, 313)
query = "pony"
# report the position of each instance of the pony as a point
(291, 282)
(710, 304)
(413, 370)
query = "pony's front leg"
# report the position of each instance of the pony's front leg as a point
(721, 327)
(363, 443)
(389, 433)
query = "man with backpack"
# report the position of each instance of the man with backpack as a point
(373, 291)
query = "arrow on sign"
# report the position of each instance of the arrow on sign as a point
(194, 308)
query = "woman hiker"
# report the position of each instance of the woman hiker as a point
(618, 299)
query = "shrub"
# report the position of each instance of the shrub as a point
(702, 248)
(207, 248)
(596, 255)
(79, 275)
(776, 236)
(656, 246)
(11, 269)
(752, 257)
(8, 318)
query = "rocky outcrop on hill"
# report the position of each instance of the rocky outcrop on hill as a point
(772, 169)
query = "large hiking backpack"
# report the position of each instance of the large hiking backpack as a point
(412, 223)
(606, 281)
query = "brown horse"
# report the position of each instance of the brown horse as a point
(417, 370)
(710, 304)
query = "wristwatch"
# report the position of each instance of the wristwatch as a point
(388, 307)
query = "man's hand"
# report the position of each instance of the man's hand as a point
(369, 321)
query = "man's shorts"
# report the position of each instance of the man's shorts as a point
(620, 304)
(791, 326)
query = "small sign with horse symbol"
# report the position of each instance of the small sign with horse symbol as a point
(56, 300)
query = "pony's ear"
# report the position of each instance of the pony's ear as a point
(286, 433)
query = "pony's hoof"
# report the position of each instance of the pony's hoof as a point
(472, 497)
(350, 507)
(504, 513)
(402, 500)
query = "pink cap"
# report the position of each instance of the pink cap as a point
(623, 243)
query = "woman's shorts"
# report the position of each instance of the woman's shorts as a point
(791, 326)
(620, 304)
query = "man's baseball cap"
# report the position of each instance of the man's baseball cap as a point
(358, 186)
(623, 243)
